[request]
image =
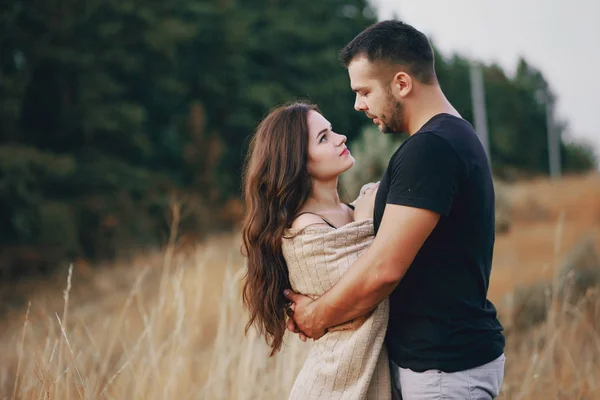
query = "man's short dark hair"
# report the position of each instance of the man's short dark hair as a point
(394, 42)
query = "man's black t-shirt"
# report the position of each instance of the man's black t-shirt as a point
(440, 317)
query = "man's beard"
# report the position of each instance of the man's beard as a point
(395, 122)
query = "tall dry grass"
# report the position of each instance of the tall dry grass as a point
(173, 328)
(177, 334)
(560, 357)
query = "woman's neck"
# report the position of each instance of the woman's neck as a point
(324, 196)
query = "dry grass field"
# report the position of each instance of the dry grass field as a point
(169, 325)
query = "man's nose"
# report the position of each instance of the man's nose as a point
(359, 105)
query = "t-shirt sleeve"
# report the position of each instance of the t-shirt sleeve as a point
(425, 174)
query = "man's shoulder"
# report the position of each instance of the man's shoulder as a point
(430, 139)
(454, 129)
(455, 133)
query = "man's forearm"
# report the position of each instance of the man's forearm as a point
(378, 271)
(358, 292)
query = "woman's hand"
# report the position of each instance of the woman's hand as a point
(365, 203)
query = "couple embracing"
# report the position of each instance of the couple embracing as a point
(393, 287)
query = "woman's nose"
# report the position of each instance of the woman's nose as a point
(341, 139)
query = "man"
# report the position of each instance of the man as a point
(434, 224)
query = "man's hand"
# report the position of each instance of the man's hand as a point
(303, 319)
(291, 325)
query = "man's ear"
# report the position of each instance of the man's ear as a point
(402, 84)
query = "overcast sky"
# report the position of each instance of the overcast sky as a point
(560, 38)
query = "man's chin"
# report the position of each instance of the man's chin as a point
(383, 128)
(386, 129)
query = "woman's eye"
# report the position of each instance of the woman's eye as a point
(323, 138)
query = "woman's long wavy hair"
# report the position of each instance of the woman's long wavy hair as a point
(276, 185)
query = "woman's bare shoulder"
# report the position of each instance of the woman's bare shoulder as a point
(304, 220)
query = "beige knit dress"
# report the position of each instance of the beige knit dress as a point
(350, 361)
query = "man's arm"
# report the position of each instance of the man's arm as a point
(374, 275)
(423, 182)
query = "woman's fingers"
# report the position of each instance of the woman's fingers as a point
(369, 187)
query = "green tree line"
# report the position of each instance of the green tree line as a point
(110, 108)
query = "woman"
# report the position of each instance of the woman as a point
(298, 234)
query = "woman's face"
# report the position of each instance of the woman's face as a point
(328, 155)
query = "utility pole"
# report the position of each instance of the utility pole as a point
(545, 98)
(553, 138)
(479, 111)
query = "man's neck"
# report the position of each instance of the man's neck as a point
(431, 103)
